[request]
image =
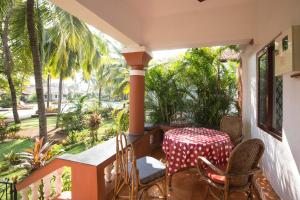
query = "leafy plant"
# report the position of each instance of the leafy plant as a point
(73, 120)
(5, 101)
(108, 134)
(94, 123)
(4, 166)
(198, 85)
(36, 157)
(57, 149)
(3, 129)
(164, 97)
(12, 129)
(12, 157)
(122, 119)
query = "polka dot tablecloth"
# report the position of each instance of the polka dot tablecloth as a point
(183, 146)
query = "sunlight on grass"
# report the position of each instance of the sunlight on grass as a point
(34, 123)
(15, 145)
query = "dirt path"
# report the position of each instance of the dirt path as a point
(53, 134)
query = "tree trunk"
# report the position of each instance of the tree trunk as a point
(60, 86)
(99, 95)
(8, 67)
(37, 67)
(48, 90)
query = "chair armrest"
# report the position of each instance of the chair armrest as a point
(202, 159)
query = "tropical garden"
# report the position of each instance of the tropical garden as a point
(40, 42)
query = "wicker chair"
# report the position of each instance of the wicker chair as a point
(239, 172)
(135, 176)
(233, 126)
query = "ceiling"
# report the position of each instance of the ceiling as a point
(168, 24)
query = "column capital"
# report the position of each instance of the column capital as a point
(137, 60)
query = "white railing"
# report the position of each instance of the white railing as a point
(32, 192)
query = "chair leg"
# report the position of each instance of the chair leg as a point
(170, 182)
(250, 193)
(207, 192)
(227, 194)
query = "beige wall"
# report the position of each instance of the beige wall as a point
(281, 161)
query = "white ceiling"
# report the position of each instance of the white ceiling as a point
(149, 9)
(169, 24)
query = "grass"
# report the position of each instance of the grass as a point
(18, 145)
(33, 123)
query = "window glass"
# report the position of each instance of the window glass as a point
(262, 88)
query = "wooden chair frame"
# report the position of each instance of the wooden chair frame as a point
(236, 140)
(225, 188)
(129, 177)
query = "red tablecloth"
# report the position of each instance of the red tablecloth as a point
(183, 146)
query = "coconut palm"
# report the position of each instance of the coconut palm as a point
(8, 63)
(71, 47)
(37, 66)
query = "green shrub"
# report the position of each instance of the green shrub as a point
(3, 129)
(122, 119)
(13, 128)
(4, 166)
(108, 134)
(198, 85)
(67, 181)
(32, 98)
(75, 118)
(105, 112)
(5, 101)
(12, 157)
(57, 149)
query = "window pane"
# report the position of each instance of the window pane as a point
(262, 89)
(277, 104)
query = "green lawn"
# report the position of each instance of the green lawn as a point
(34, 123)
(20, 145)
(17, 146)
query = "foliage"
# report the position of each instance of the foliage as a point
(108, 134)
(13, 129)
(3, 129)
(5, 101)
(32, 98)
(75, 114)
(37, 156)
(163, 95)
(12, 157)
(4, 166)
(94, 123)
(57, 149)
(67, 181)
(105, 112)
(122, 118)
(198, 85)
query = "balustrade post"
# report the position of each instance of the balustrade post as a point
(35, 190)
(58, 179)
(108, 173)
(47, 186)
(25, 193)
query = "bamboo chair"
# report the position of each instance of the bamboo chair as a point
(239, 172)
(232, 125)
(135, 176)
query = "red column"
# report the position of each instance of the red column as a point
(138, 62)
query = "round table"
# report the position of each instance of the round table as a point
(182, 147)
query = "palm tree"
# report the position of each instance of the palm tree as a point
(72, 48)
(5, 16)
(37, 66)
